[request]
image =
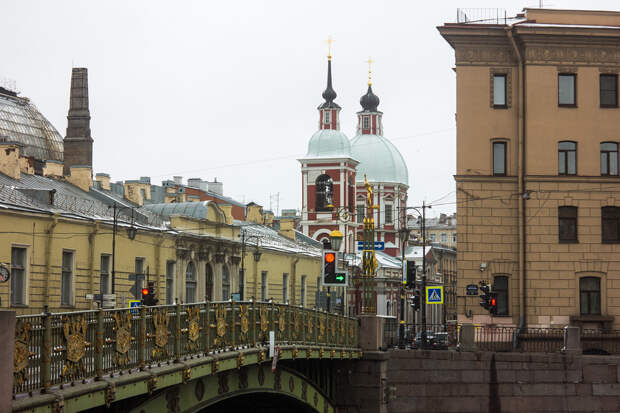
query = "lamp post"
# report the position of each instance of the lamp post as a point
(335, 240)
(257, 254)
(422, 215)
(131, 233)
(404, 235)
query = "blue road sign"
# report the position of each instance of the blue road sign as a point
(379, 245)
(434, 295)
(134, 304)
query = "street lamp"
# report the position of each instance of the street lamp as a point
(422, 215)
(335, 238)
(404, 236)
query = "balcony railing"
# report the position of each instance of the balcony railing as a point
(58, 348)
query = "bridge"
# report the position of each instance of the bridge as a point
(181, 358)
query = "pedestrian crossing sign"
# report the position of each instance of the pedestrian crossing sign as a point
(434, 295)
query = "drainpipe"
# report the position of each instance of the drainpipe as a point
(293, 281)
(521, 184)
(91, 258)
(48, 257)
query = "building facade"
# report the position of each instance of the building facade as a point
(537, 166)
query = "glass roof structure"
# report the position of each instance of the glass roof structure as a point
(21, 121)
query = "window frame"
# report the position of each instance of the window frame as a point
(23, 279)
(608, 105)
(170, 270)
(302, 298)
(241, 283)
(225, 270)
(388, 217)
(209, 281)
(568, 105)
(505, 150)
(566, 217)
(365, 122)
(608, 163)
(140, 275)
(505, 77)
(502, 295)
(105, 274)
(565, 153)
(71, 272)
(612, 218)
(327, 117)
(191, 285)
(323, 197)
(590, 294)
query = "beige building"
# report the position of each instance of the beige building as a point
(441, 229)
(537, 165)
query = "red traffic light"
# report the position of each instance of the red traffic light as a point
(145, 291)
(330, 257)
(493, 302)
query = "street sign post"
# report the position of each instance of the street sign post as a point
(434, 294)
(379, 245)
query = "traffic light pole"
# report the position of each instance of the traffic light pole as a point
(423, 300)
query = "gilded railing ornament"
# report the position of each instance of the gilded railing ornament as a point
(187, 374)
(264, 320)
(74, 329)
(321, 352)
(310, 323)
(193, 328)
(351, 329)
(281, 319)
(220, 324)
(321, 328)
(240, 360)
(332, 327)
(296, 323)
(122, 329)
(332, 353)
(295, 352)
(261, 356)
(20, 353)
(308, 353)
(244, 323)
(160, 324)
(215, 366)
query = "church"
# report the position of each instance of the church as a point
(333, 171)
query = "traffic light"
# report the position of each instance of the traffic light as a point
(485, 297)
(415, 302)
(330, 274)
(411, 273)
(493, 304)
(148, 295)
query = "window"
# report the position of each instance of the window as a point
(66, 282)
(285, 288)
(18, 276)
(303, 291)
(327, 118)
(609, 90)
(444, 237)
(499, 91)
(263, 286)
(566, 89)
(609, 158)
(389, 215)
(104, 274)
(388, 309)
(433, 237)
(324, 192)
(190, 283)
(361, 211)
(169, 282)
(241, 283)
(454, 237)
(225, 283)
(500, 287)
(365, 122)
(610, 224)
(139, 273)
(567, 158)
(499, 158)
(209, 282)
(590, 296)
(567, 221)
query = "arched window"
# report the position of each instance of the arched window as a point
(225, 283)
(324, 192)
(388, 312)
(209, 282)
(609, 158)
(500, 287)
(590, 296)
(190, 283)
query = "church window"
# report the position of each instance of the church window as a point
(366, 122)
(327, 118)
(324, 193)
(388, 214)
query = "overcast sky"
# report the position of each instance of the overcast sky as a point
(229, 89)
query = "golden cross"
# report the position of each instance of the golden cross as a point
(369, 61)
(329, 47)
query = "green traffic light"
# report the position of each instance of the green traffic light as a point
(340, 278)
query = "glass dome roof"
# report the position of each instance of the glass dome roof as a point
(379, 160)
(329, 143)
(21, 121)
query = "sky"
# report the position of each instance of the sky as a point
(229, 89)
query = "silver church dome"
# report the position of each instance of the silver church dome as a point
(379, 160)
(329, 143)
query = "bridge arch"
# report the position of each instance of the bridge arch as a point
(206, 391)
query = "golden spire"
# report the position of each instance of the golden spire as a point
(329, 47)
(369, 61)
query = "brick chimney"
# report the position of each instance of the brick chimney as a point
(78, 142)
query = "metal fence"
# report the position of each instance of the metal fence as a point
(58, 348)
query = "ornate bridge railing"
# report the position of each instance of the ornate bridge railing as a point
(58, 348)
